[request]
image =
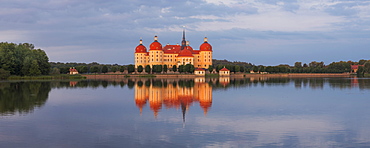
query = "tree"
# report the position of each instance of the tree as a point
(181, 68)
(242, 69)
(83, 69)
(361, 62)
(4, 74)
(122, 68)
(189, 68)
(104, 69)
(262, 68)
(55, 71)
(360, 71)
(140, 69)
(34, 69)
(158, 68)
(255, 68)
(114, 69)
(147, 69)
(174, 68)
(131, 68)
(237, 68)
(94, 69)
(165, 68)
(298, 65)
(210, 68)
(367, 66)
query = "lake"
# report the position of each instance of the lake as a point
(217, 112)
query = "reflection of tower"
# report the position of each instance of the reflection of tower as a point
(203, 93)
(155, 99)
(141, 95)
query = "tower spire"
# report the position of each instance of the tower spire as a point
(183, 42)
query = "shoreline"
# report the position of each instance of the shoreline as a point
(285, 75)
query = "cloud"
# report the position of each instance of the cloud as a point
(112, 24)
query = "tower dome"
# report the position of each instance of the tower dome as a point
(205, 46)
(155, 45)
(140, 48)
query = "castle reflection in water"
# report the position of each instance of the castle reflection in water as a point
(174, 93)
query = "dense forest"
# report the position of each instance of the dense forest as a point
(298, 67)
(22, 59)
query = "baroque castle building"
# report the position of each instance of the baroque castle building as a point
(171, 55)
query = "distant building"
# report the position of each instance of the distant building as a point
(73, 71)
(200, 72)
(224, 72)
(171, 55)
(354, 68)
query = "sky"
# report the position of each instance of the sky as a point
(261, 32)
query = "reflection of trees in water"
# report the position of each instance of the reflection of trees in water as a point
(218, 83)
(22, 97)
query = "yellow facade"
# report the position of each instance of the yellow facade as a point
(171, 55)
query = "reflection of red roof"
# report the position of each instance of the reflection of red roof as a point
(224, 69)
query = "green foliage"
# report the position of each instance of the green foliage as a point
(362, 62)
(34, 69)
(165, 68)
(18, 59)
(114, 69)
(4, 74)
(189, 68)
(157, 68)
(210, 68)
(360, 71)
(339, 67)
(104, 69)
(122, 68)
(94, 69)
(174, 68)
(181, 68)
(140, 69)
(148, 69)
(255, 69)
(367, 66)
(131, 68)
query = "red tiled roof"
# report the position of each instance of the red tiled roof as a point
(185, 53)
(73, 70)
(200, 69)
(224, 69)
(355, 66)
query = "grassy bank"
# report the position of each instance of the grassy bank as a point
(46, 77)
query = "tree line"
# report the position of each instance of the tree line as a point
(22, 59)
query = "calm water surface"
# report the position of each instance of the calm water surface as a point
(258, 112)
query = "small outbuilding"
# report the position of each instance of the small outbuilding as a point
(73, 71)
(224, 72)
(200, 72)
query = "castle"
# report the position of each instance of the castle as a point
(172, 55)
